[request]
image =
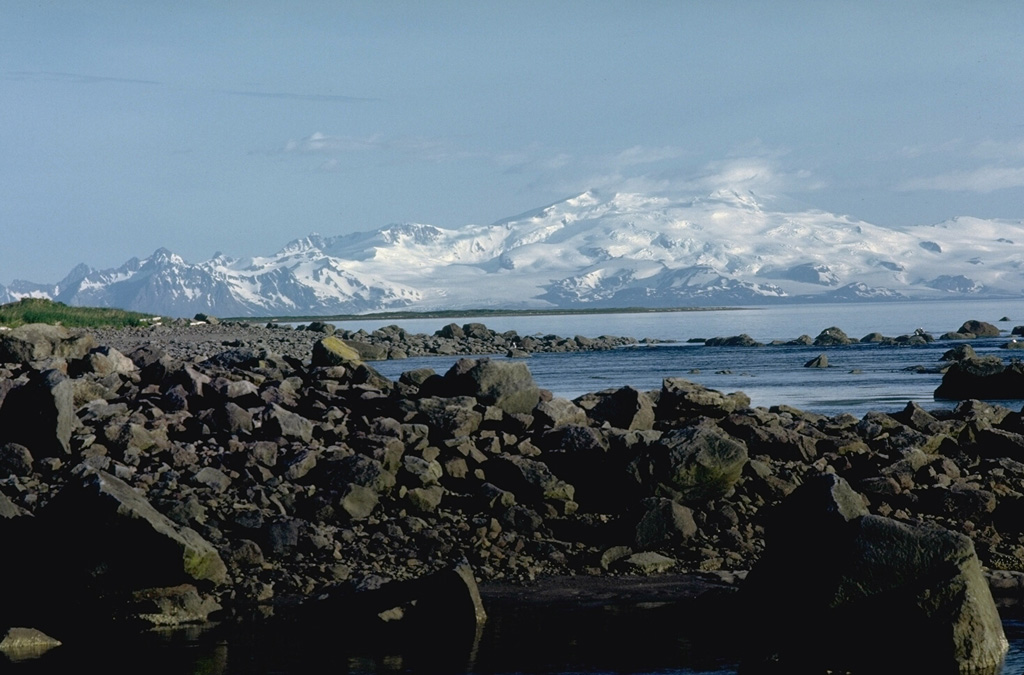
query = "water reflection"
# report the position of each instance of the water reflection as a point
(664, 640)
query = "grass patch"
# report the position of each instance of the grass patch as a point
(38, 310)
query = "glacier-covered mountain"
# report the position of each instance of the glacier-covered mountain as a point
(592, 250)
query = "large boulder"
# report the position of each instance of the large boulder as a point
(36, 341)
(979, 328)
(985, 378)
(110, 534)
(693, 464)
(624, 408)
(507, 385)
(681, 399)
(840, 589)
(40, 414)
(332, 351)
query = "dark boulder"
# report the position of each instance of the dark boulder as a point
(681, 400)
(111, 534)
(40, 414)
(741, 340)
(985, 378)
(507, 385)
(979, 328)
(695, 464)
(831, 337)
(834, 579)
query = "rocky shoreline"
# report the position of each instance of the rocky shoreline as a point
(179, 473)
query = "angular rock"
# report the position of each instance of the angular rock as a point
(664, 521)
(682, 399)
(835, 578)
(504, 384)
(820, 361)
(624, 408)
(112, 533)
(332, 351)
(40, 414)
(37, 341)
(695, 464)
(20, 644)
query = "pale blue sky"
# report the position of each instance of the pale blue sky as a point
(238, 126)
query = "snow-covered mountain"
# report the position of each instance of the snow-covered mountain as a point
(590, 250)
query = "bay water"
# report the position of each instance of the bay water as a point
(861, 377)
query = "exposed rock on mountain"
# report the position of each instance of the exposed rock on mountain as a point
(591, 250)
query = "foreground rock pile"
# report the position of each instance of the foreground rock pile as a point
(168, 475)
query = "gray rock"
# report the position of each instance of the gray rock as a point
(696, 464)
(558, 412)
(281, 423)
(21, 644)
(979, 328)
(820, 361)
(507, 385)
(649, 562)
(111, 531)
(832, 336)
(40, 414)
(37, 341)
(624, 408)
(664, 522)
(835, 578)
(682, 399)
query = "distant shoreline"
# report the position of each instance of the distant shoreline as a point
(482, 313)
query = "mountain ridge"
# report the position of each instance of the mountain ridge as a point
(589, 250)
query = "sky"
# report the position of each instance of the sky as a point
(237, 126)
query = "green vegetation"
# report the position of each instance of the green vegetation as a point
(38, 310)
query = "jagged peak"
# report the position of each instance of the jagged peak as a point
(311, 242)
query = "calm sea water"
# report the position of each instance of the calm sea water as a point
(860, 378)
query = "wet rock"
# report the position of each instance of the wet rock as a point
(979, 328)
(21, 644)
(820, 361)
(982, 378)
(742, 340)
(831, 337)
(172, 606)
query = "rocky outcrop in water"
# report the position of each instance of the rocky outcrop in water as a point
(231, 472)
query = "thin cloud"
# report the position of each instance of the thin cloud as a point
(982, 180)
(334, 147)
(73, 78)
(639, 154)
(755, 174)
(327, 98)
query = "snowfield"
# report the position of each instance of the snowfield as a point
(591, 250)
